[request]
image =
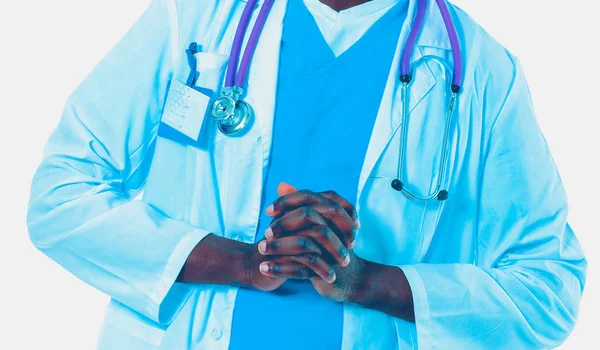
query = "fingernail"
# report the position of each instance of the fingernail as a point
(264, 268)
(346, 260)
(262, 247)
(269, 233)
(353, 244)
(271, 210)
(345, 256)
(333, 277)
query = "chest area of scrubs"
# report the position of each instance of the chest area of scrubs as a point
(325, 111)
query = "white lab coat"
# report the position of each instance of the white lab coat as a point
(494, 266)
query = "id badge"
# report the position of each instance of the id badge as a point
(185, 110)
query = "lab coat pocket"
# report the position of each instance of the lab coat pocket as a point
(210, 68)
(394, 230)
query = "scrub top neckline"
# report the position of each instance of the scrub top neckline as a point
(356, 12)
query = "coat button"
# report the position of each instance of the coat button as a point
(216, 334)
(258, 140)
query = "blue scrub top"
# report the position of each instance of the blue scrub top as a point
(325, 111)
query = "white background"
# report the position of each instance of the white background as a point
(47, 48)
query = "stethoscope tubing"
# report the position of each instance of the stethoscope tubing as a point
(234, 76)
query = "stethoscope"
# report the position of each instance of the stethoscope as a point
(406, 77)
(233, 114)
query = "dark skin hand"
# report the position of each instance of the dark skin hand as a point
(218, 260)
(304, 241)
(315, 254)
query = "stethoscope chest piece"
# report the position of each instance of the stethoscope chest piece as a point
(231, 113)
(239, 120)
(223, 108)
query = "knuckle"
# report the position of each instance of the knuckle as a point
(312, 259)
(279, 202)
(307, 244)
(331, 193)
(272, 246)
(300, 271)
(277, 226)
(303, 243)
(337, 209)
(323, 231)
(306, 193)
(305, 212)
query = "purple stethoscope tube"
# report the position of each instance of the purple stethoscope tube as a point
(406, 75)
(233, 114)
(239, 79)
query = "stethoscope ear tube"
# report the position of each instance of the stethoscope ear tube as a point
(406, 78)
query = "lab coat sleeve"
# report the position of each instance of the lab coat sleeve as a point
(82, 211)
(525, 289)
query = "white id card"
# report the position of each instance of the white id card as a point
(185, 109)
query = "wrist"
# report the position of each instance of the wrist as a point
(243, 259)
(385, 288)
(365, 282)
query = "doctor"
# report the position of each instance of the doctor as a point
(298, 231)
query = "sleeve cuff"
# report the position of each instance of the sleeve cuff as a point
(168, 297)
(421, 305)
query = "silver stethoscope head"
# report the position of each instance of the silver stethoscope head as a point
(230, 112)
(238, 121)
(223, 108)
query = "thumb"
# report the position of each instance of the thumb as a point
(285, 188)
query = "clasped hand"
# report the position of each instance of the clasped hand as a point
(311, 237)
